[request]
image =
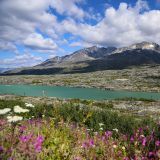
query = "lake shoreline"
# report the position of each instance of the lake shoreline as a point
(74, 92)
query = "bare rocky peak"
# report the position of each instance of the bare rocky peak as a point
(142, 46)
(85, 54)
(145, 45)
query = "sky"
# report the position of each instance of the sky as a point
(32, 31)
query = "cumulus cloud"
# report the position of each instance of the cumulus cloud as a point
(20, 19)
(37, 42)
(23, 60)
(69, 7)
(7, 46)
(120, 27)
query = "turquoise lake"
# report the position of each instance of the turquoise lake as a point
(71, 92)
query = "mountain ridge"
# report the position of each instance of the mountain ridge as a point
(97, 58)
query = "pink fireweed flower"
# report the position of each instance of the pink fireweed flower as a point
(25, 138)
(84, 145)
(108, 134)
(91, 143)
(103, 138)
(151, 154)
(144, 141)
(132, 139)
(1, 149)
(140, 129)
(22, 128)
(157, 143)
(38, 143)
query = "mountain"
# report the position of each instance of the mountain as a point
(141, 46)
(5, 69)
(96, 58)
(82, 55)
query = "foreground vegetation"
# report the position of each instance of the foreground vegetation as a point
(76, 131)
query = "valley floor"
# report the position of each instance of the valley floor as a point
(145, 78)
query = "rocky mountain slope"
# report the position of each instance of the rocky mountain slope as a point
(5, 69)
(82, 55)
(95, 58)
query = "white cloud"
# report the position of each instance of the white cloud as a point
(7, 46)
(37, 42)
(81, 44)
(70, 8)
(20, 60)
(120, 27)
(20, 19)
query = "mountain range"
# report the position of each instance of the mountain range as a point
(96, 58)
(2, 70)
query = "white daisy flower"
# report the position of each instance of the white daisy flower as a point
(29, 105)
(115, 129)
(14, 118)
(4, 111)
(18, 109)
(101, 129)
(101, 124)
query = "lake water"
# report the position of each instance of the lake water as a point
(69, 92)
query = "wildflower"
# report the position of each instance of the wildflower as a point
(140, 130)
(14, 118)
(22, 128)
(123, 148)
(114, 146)
(101, 129)
(157, 143)
(25, 138)
(95, 133)
(38, 144)
(115, 129)
(142, 136)
(4, 111)
(151, 154)
(101, 124)
(18, 109)
(1, 149)
(84, 145)
(91, 143)
(144, 141)
(132, 139)
(29, 105)
(158, 153)
(108, 134)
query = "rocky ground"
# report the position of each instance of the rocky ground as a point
(145, 78)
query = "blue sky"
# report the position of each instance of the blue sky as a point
(33, 31)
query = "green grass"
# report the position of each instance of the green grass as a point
(87, 113)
